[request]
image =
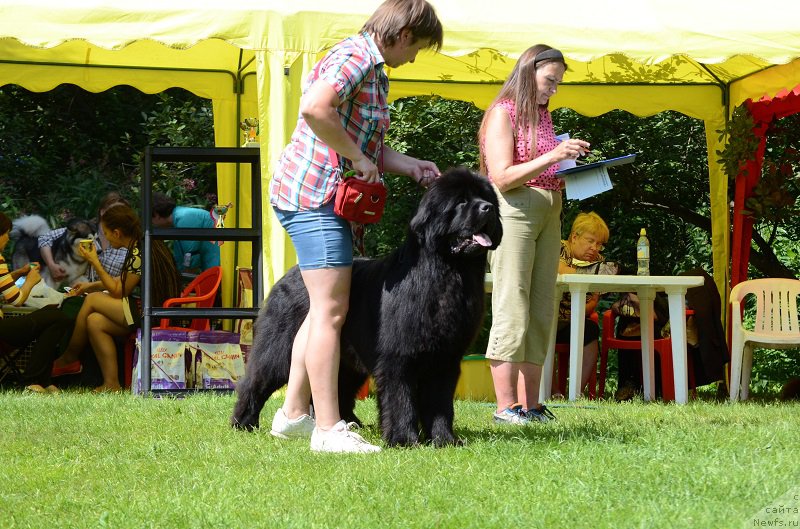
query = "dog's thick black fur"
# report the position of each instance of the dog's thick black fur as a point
(412, 316)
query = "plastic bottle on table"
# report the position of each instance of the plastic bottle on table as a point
(643, 254)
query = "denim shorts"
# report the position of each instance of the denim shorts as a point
(321, 238)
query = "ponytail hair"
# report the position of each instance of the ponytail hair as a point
(165, 278)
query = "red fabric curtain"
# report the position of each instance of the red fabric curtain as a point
(764, 112)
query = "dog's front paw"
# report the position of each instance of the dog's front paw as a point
(396, 438)
(443, 439)
(244, 424)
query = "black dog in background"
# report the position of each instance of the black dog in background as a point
(26, 231)
(412, 316)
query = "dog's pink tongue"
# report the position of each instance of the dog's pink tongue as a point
(482, 239)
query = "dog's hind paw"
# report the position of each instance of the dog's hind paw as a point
(351, 418)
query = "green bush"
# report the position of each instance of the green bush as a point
(64, 149)
(184, 121)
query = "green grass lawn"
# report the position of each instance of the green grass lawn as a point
(81, 460)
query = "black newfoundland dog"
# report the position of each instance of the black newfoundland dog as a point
(412, 316)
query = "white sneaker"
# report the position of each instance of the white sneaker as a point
(340, 440)
(285, 428)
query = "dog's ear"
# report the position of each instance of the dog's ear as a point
(426, 225)
(420, 219)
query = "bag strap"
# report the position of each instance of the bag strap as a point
(335, 162)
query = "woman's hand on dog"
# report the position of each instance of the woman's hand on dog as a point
(57, 272)
(425, 172)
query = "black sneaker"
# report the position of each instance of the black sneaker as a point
(541, 415)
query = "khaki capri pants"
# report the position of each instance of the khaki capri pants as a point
(524, 269)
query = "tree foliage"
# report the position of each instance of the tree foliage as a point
(665, 190)
(180, 120)
(431, 128)
(61, 150)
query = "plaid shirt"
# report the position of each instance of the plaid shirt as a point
(111, 259)
(305, 177)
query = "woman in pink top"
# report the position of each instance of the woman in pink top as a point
(520, 154)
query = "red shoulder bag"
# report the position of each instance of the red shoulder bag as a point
(359, 201)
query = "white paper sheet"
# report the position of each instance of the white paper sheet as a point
(584, 184)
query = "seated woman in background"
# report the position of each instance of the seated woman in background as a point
(586, 240)
(47, 325)
(115, 312)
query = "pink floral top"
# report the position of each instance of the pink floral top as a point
(545, 142)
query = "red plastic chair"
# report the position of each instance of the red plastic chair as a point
(562, 359)
(663, 346)
(201, 292)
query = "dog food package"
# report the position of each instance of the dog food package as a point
(168, 360)
(218, 362)
(245, 296)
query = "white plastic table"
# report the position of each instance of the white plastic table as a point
(645, 287)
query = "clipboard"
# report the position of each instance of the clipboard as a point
(584, 181)
(611, 162)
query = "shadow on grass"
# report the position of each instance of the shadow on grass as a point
(547, 433)
(551, 433)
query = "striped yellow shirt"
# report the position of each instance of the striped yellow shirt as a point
(8, 290)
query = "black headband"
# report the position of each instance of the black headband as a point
(551, 54)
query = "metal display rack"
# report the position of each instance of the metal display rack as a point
(237, 155)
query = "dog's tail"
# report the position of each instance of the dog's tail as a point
(29, 225)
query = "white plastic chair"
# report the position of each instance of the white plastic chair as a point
(776, 326)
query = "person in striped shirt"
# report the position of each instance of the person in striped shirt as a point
(344, 116)
(48, 326)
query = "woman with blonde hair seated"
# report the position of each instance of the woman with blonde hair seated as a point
(580, 250)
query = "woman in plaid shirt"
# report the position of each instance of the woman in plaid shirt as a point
(343, 119)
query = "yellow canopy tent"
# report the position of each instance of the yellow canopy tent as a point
(249, 58)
